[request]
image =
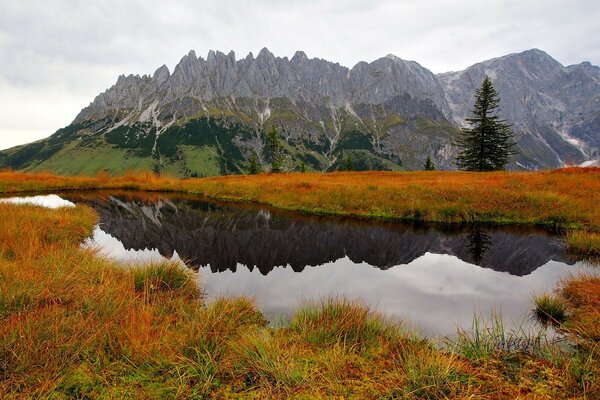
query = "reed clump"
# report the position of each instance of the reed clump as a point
(333, 320)
(585, 243)
(550, 309)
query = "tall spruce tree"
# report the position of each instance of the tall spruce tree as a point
(489, 142)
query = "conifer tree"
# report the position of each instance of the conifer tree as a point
(429, 165)
(254, 166)
(275, 150)
(349, 163)
(489, 142)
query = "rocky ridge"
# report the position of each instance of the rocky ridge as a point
(210, 115)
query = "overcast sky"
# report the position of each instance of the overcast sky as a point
(57, 55)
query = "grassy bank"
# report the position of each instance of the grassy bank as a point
(565, 198)
(74, 325)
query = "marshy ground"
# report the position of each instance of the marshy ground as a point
(76, 325)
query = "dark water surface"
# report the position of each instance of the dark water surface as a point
(434, 278)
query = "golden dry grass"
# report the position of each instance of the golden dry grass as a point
(565, 198)
(74, 325)
(559, 197)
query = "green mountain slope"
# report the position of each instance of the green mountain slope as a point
(208, 146)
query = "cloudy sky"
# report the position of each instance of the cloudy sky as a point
(57, 55)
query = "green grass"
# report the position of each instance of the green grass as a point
(76, 159)
(488, 338)
(335, 320)
(203, 160)
(549, 309)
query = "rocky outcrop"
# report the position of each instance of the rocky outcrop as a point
(265, 77)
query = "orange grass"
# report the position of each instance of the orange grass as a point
(583, 298)
(74, 325)
(585, 243)
(564, 197)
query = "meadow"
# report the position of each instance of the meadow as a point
(76, 325)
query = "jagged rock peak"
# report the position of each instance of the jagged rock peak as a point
(192, 54)
(161, 74)
(299, 56)
(265, 53)
(127, 78)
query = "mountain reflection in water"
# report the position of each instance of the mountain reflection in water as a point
(225, 237)
(426, 276)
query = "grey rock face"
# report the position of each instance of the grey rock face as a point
(300, 79)
(554, 108)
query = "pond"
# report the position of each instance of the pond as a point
(433, 277)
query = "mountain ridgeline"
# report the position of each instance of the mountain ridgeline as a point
(211, 116)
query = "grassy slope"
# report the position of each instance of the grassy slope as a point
(77, 150)
(77, 326)
(79, 160)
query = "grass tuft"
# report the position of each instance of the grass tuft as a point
(262, 359)
(336, 319)
(433, 375)
(549, 309)
(584, 243)
(489, 338)
(163, 276)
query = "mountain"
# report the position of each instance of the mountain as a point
(555, 109)
(210, 115)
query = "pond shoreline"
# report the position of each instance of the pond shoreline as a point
(557, 200)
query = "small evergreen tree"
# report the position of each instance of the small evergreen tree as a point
(254, 166)
(429, 165)
(479, 244)
(488, 143)
(275, 150)
(303, 167)
(349, 163)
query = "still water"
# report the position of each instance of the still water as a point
(431, 277)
